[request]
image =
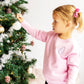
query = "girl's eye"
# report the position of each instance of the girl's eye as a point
(55, 21)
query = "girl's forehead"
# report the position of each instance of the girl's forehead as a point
(55, 16)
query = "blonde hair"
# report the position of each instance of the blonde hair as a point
(67, 14)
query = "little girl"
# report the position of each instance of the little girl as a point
(61, 58)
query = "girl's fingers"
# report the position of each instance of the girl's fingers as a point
(19, 16)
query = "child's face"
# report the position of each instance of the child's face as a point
(59, 26)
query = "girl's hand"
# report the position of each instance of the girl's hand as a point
(19, 17)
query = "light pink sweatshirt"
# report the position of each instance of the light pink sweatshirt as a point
(61, 58)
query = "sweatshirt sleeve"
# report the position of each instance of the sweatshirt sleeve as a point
(38, 34)
(73, 65)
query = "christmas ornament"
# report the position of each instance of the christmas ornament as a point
(1, 29)
(7, 79)
(16, 25)
(23, 47)
(12, 73)
(8, 10)
(32, 43)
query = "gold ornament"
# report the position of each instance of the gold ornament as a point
(1, 29)
(6, 19)
(10, 36)
(17, 76)
(11, 73)
(12, 40)
(0, 19)
(19, 32)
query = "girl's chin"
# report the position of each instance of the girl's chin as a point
(53, 29)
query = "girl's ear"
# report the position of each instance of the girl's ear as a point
(69, 24)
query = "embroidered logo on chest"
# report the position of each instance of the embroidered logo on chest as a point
(61, 50)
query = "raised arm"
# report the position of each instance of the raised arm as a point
(38, 34)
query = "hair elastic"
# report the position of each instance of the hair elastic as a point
(76, 12)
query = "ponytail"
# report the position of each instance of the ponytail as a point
(79, 22)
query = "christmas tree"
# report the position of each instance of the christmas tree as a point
(14, 66)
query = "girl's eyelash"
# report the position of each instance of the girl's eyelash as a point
(55, 21)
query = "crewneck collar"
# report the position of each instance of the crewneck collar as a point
(63, 39)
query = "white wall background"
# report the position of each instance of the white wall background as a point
(40, 16)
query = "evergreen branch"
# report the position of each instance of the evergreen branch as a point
(22, 8)
(20, 2)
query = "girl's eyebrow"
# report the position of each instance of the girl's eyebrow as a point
(54, 19)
